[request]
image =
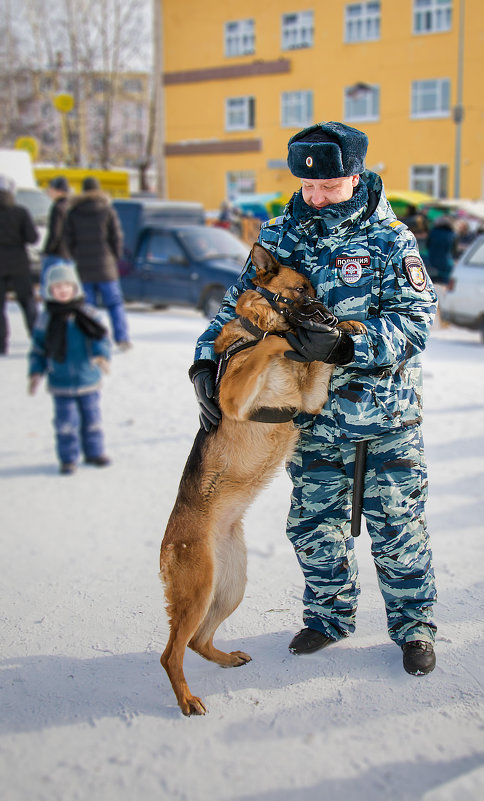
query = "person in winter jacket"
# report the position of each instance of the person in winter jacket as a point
(340, 231)
(442, 248)
(17, 230)
(55, 248)
(94, 239)
(71, 346)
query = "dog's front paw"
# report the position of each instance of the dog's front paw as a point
(352, 327)
(241, 658)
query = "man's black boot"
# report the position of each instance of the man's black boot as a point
(308, 640)
(418, 657)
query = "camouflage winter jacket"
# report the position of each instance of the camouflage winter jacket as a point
(364, 265)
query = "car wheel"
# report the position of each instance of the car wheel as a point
(211, 302)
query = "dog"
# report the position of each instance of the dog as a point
(203, 555)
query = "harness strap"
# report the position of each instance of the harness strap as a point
(273, 298)
(266, 414)
(235, 347)
(252, 328)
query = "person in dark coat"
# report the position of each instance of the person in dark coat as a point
(93, 236)
(55, 248)
(442, 251)
(441, 245)
(17, 230)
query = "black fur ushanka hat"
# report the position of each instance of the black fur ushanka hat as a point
(327, 150)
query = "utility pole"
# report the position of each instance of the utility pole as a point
(159, 148)
(458, 110)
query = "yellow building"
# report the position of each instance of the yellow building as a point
(241, 78)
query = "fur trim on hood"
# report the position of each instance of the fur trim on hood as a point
(94, 196)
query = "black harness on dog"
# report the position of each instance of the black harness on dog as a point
(309, 314)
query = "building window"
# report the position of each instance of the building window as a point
(239, 113)
(297, 30)
(240, 183)
(362, 22)
(239, 38)
(362, 103)
(296, 109)
(432, 16)
(430, 178)
(132, 85)
(431, 98)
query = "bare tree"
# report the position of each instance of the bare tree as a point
(87, 44)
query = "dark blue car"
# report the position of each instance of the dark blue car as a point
(172, 258)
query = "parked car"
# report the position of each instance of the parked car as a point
(463, 304)
(172, 258)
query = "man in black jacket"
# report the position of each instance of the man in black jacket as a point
(94, 239)
(55, 248)
(17, 229)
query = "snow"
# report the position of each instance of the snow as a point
(87, 712)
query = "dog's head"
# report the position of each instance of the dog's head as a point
(294, 303)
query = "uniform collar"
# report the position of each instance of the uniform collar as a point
(331, 217)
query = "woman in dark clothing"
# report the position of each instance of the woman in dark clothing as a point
(17, 229)
(94, 239)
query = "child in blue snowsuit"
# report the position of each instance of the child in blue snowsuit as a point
(340, 231)
(71, 346)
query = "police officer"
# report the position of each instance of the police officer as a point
(340, 231)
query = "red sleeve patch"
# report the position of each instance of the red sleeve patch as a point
(415, 271)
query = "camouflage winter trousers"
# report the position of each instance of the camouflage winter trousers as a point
(393, 506)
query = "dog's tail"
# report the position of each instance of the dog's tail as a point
(192, 475)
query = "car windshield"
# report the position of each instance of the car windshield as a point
(207, 242)
(476, 255)
(36, 202)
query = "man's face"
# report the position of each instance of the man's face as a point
(321, 192)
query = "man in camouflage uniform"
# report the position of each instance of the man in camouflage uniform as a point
(340, 231)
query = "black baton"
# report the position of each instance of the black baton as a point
(358, 487)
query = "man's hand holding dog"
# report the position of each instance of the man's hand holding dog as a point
(202, 375)
(328, 344)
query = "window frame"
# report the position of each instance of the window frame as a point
(246, 31)
(438, 176)
(365, 19)
(432, 9)
(302, 30)
(234, 180)
(373, 90)
(439, 112)
(248, 111)
(290, 99)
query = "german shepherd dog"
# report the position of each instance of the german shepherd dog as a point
(203, 555)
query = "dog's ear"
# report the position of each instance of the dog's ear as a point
(264, 262)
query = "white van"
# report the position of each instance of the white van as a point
(17, 165)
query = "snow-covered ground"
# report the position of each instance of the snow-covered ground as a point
(87, 711)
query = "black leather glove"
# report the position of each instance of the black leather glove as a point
(331, 346)
(202, 375)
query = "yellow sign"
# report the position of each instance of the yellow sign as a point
(64, 103)
(29, 144)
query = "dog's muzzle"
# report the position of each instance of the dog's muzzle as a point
(311, 314)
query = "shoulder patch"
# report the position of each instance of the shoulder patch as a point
(415, 271)
(395, 224)
(273, 221)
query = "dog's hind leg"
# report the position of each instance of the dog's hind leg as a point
(229, 586)
(188, 592)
